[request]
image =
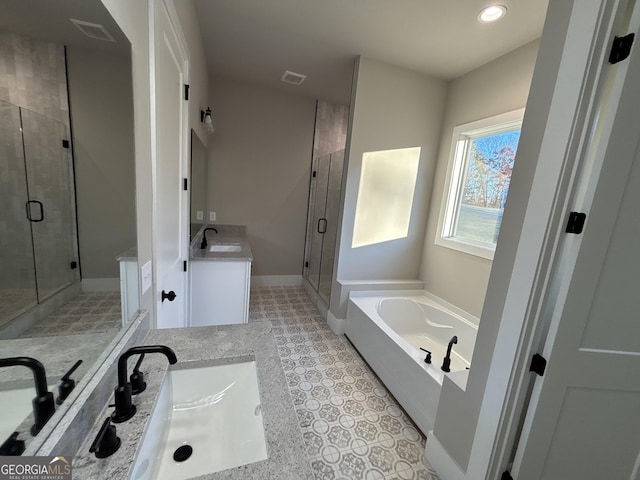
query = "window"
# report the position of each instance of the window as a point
(480, 165)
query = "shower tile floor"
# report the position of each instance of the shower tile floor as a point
(353, 428)
(91, 312)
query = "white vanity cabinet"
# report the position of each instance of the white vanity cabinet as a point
(219, 292)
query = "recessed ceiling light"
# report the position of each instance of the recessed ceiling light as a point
(492, 13)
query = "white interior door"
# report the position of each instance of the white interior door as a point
(170, 220)
(583, 421)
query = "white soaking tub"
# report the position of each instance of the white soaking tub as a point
(389, 328)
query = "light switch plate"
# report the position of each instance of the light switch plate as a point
(199, 215)
(145, 273)
(212, 216)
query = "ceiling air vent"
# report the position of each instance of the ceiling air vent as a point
(292, 77)
(93, 30)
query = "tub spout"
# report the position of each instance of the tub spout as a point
(446, 363)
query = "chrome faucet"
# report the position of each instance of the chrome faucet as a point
(203, 244)
(43, 404)
(446, 363)
(124, 407)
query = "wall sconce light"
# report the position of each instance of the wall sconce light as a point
(206, 117)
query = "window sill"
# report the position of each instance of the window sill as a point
(465, 247)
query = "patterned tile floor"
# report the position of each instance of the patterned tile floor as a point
(93, 312)
(352, 427)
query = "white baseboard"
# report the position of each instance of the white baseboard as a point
(337, 325)
(438, 457)
(276, 280)
(100, 285)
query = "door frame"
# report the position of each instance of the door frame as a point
(600, 97)
(184, 225)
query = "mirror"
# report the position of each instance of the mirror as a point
(68, 226)
(199, 179)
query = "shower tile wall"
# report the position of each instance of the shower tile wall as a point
(33, 76)
(330, 134)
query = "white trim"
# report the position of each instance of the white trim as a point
(337, 325)
(441, 461)
(455, 177)
(276, 280)
(100, 284)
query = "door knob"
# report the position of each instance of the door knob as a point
(171, 296)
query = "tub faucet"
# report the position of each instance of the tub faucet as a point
(446, 363)
(124, 407)
(203, 244)
(43, 404)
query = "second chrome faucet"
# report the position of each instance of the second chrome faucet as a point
(124, 407)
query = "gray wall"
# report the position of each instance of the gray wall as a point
(101, 103)
(497, 87)
(260, 158)
(391, 108)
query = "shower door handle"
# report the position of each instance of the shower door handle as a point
(28, 205)
(324, 227)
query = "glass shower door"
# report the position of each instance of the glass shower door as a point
(17, 277)
(332, 210)
(317, 221)
(50, 209)
(322, 223)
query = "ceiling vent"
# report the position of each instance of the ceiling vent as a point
(93, 30)
(292, 77)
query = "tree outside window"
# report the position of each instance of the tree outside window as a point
(483, 155)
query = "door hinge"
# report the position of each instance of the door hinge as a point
(184, 266)
(65, 144)
(186, 91)
(506, 475)
(314, 174)
(576, 222)
(306, 264)
(73, 265)
(538, 364)
(621, 48)
(185, 184)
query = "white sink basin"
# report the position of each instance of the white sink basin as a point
(215, 410)
(228, 247)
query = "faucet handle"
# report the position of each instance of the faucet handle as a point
(67, 384)
(12, 446)
(138, 385)
(107, 441)
(427, 358)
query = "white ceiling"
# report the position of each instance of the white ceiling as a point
(256, 40)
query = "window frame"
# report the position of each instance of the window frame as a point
(453, 185)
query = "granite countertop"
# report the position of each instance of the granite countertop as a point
(128, 255)
(227, 343)
(227, 235)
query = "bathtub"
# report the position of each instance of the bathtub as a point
(389, 328)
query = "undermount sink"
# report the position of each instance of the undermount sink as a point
(209, 414)
(225, 247)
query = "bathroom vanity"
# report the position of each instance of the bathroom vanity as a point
(220, 277)
(194, 348)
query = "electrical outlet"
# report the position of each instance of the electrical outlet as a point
(212, 216)
(145, 273)
(199, 215)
